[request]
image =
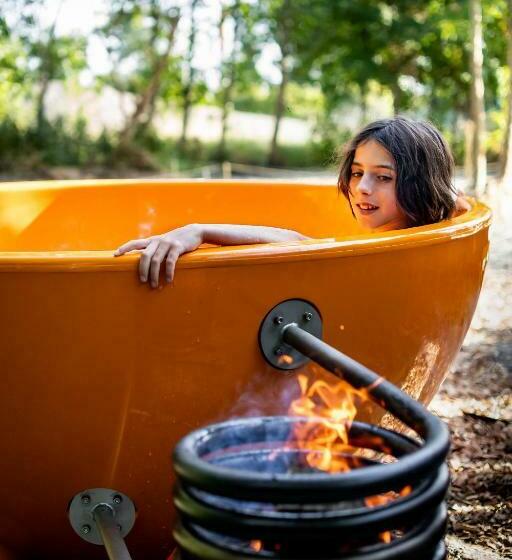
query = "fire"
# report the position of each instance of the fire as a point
(256, 545)
(385, 537)
(332, 409)
(285, 359)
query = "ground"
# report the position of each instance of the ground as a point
(476, 402)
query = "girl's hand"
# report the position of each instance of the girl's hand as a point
(169, 246)
(461, 204)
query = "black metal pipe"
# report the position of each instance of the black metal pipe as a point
(237, 519)
(115, 546)
(421, 544)
(193, 466)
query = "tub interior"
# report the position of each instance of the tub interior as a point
(99, 216)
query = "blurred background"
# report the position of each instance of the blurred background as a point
(211, 88)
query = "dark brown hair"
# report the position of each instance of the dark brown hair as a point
(424, 167)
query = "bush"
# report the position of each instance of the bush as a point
(12, 143)
(52, 144)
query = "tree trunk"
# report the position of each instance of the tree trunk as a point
(187, 90)
(479, 174)
(46, 71)
(505, 175)
(469, 134)
(221, 150)
(396, 93)
(40, 111)
(146, 102)
(228, 89)
(363, 91)
(285, 23)
(273, 158)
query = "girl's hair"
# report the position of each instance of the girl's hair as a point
(424, 167)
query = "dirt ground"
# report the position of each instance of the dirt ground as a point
(476, 402)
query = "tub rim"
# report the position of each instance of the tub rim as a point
(464, 225)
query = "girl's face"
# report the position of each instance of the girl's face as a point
(372, 191)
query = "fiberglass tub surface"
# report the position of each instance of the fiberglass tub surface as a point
(102, 375)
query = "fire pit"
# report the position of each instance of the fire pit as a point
(242, 490)
(321, 486)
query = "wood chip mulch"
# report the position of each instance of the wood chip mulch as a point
(476, 402)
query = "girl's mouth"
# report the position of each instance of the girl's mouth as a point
(365, 208)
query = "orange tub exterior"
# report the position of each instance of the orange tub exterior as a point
(102, 375)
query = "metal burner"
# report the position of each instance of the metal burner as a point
(236, 489)
(243, 492)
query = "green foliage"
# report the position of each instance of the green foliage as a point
(237, 68)
(302, 101)
(256, 99)
(166, 154)
(336, 53)
(135, 33)
(52, 144)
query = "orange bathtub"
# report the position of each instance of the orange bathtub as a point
(102, 375)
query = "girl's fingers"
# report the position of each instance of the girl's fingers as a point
(170, 264)
(154, 251)
(156, 260)
(145, 259)
(131, 246)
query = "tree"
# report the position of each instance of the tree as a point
(505, 173)
(479, 163)
(237, 67)
(280, 20)
(58, 58)
(139, 36)
(163, 27)
(189, 73)
(13, 66)
(43, 55)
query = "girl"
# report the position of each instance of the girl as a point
(396, 173)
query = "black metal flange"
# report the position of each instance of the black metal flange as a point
(298, 312)
(86, 505)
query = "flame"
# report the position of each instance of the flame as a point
(385, 537)
(330, 410)
(285, 359)
(256, 545)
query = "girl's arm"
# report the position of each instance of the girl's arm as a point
(171, 245)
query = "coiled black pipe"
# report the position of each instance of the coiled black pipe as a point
(223, 497)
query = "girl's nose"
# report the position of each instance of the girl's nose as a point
(365, 185)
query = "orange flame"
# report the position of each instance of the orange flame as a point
(256, 545)
(331, 409)
(385, 537)
(285, 359)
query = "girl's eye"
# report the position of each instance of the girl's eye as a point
(356, 174)
(384, 178)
